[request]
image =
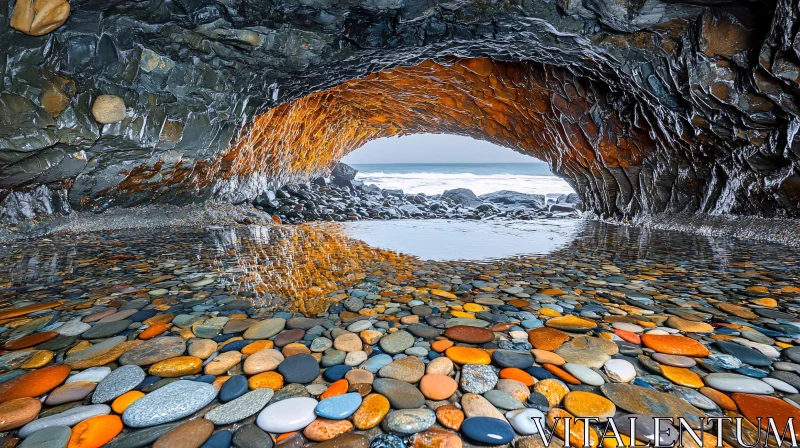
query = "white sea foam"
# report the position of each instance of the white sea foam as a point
(436, 183)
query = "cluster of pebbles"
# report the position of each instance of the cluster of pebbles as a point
(322, 200)
(135, 339)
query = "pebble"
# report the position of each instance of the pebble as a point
(17, 412)
(409, 421)
(121, 380)
(487, 430)
(169, 403)
(288, 415)
(50, 437)
(401, 395)
(584, 374)
(240, 408)
(301, 369)
(191, 434)
(396, 342)
(339, 407)
(69, 417)
(371, 412)
(619, 370)
(732, 382)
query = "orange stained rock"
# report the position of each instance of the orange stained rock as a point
(123, 401)
(95, 432)
(27, 309)
(256, 346)
(519, 303)
(766, 301)
(761, 289)
(547, 312)
(450, 416)
(628, 336)
(513, 373)
(722, 400)
(30, 340)
(34, 384)
(468, 355)
(675, 345)
(372, 410)
(153, 331)
(682, 376)
(323, 429)
(551, 292)
(271, 380)
(38, 360)
(556, 420)
(562, 374)
(336, 388)
(175, 367)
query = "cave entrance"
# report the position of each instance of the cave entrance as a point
(433, 163)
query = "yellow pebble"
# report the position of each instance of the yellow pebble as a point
(549, 312)
(462, 315)
(123, 401)
(473, 307)
(40, 359)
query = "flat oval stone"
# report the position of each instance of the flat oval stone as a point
(240, 408)
(18, 412)
(509, 358)
(397, 342)
(251, 436)
(674, 360)
(377, 362)
(265, 329)
(650, 402)
(69, 417)
(487, 430)
(675, 345)
(469, 335)
(339, 407)
(478, 379)
(51, 437)
(288, 336)
(409, 421)
(191, 434)
(72, 391)
(373, 409)
(733, 382)
(153, 351)
(401, 395)
(118, 382)
(287, 415)
(620, 370)
(745, 354)
(755, 406)
(584, 374)
(169, 403)
(34, 383)
(301, 369)
(233, 388)
(94, 374)
(107, 329)
(409, 369)
(437, 387)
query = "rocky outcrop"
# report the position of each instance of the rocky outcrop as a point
(646, 108)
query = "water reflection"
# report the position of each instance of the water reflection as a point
(304, 268)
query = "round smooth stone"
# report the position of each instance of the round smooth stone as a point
(73, 328)
(487, 430)
(409, 421)
(251, 436)
(469, 335)
(107, 329)
(301, 369)
(377, 362)
(355, 358)
(336, 373)
(339, 407)
(780, 385)
(169, 403)
(745, 354)
(287, 415)
(398, 342)
(584, 374)
(94, 374)
(265, 329)
(524, 420)
(387, 441)
(620, 370)
(502, 400)
(17, 412)
(241, 408)
(50, 437)
(69, 417)
(732, 382)
(220, 439)
(186, 435)
(509, 358)
(587, 404)
(359, 326)
(437, 387)
(401, 395)
(121, 380)
(233, 388)
(625, 326)
(75, 391)
(674, 360)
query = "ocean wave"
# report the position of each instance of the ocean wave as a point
(437, 183)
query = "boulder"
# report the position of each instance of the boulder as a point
(462, 196)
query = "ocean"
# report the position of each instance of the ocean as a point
(481, 178)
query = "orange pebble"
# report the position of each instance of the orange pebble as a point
(513, 373)
(271, 380)
(256, 346)
(561, 374)
(95, 432)
(722, 400)
(628, 336)
(123, 401)
(440, 346)
(153, 331)
(284, 436)
(337, 388)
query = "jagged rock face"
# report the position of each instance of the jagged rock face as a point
(644, 106)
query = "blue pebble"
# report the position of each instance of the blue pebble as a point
(284, 315)
(487, 430)
(726, 330)
(143, 315)
(205, 379)
(335, 373)
(235, 345)
(221, 439)
(754, 373)
(339, 407)
(224, 337)
(148, 381)
(387, 441)
(643, 383)
(235, 387)
(375, 363)
(539, 373)
(433, 355)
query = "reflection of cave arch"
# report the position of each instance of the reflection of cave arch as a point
(539, 110)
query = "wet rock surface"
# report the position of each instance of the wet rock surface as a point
(388, 350)
(644, 107)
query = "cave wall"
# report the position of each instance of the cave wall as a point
(667, 105)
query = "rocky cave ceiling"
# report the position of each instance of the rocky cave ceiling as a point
(645, 106)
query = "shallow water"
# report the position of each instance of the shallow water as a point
(447, 239)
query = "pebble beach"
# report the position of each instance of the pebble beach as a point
(256, 337)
